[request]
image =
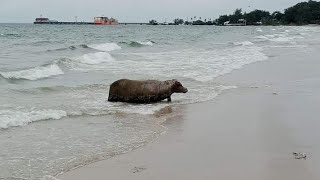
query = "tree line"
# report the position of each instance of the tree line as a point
(300, 14)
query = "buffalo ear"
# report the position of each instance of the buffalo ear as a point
(177, 83)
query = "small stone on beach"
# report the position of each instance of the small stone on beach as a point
(299, 155)
(138, 169)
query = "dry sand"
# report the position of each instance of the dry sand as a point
(248, 133)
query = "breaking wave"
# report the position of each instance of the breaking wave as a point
(147, 43)
(96, 58)
(244, 43)
(9, 118)
(35, 73)
(92, 100)
(259, 30)
(10, 35)
(73, 47)
(280, 38)
(138, 43)
(105, 47)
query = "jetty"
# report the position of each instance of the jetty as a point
(134, 23)
(102, 20)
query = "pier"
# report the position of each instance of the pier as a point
(84, 23)
(134, 23)
(66, 23)
(102, 20)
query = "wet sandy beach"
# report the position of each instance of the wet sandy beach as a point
(245, 133)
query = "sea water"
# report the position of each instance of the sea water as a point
(54, 83)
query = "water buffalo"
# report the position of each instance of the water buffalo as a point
(125, 90)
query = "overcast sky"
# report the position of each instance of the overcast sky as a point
(129, 10)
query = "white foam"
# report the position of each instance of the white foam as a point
(262, 37)
(200, 93)
(93, 101)
(287, 46)
(280, 38)
(259, 30)
(96, 58)
(12, 118)
(197, 93)
(34, 73)
(148, 43)
(244, 43)
(200, 65)
(107, 47)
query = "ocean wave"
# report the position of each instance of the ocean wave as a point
(138, 43)
(244, 43)
(280, 38)
(209, 64)
(84, 46)
(35, 73)
(105, 47)
(287, 46)
(96, 58)
(13, 118)
(91, 100)
(10, 35)
(146, 43)
(73, 47)
(89, 61)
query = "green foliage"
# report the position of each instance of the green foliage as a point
(277, 16)
(178, 21)
(223, 19)
(256, 16)
(153, 22)
(299, 14)
(198, 22)
(236, 16)
(302, 13)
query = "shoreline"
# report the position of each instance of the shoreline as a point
(244, 133)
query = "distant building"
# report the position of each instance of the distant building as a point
(240, 22)
(226, 23)
(105, 21)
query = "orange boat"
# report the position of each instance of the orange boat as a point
(105, 21)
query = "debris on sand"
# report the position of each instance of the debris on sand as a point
(138, 169)
(299, 155)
